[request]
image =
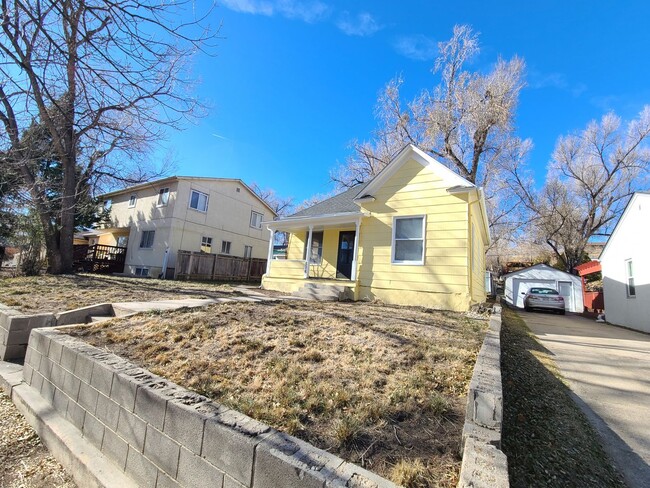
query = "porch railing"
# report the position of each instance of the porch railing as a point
(99, 258)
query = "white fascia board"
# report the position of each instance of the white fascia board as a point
(320, 220)
(411, 152)
(629, 205)
(459, 190)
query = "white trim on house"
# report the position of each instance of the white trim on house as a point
(628, 207)
(419, 262)
(298, 223)
(198, 200)
(406, 154)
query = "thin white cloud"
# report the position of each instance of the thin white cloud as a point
(362, 24)
(555, 80)
(418, 47)
(310, 11)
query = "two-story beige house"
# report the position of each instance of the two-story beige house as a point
(155, 220)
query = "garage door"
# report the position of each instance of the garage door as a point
(521, 285)
(566, 290)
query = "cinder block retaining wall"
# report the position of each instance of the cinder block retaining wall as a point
(16, 326)
(163, 435)
(484, 464)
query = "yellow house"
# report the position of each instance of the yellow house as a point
(416, 234)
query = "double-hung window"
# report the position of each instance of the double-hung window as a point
(132, 200)
(248, 251)
(146, 241)
(163, 197)
(316, 254)
(629, 275)
(408, 240)
(199, 201)
(225, 247)
(256, 219)
(206, 244)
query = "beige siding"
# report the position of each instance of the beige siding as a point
(179, 227)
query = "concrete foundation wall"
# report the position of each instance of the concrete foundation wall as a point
(484, 464)
(162, 435)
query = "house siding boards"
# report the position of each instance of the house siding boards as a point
(414, 191)
(412, 185)
(629, 241)
(179, 227)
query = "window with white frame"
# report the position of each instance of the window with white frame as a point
(199, 201)
(256, 219)
(225, 247)
(206, 244)
(163, 197)
(629, 275)
(316, 254)
(248, 251)
(132, 200)
(146, 241)
(108, 204)
(408, 240)
(142, 271)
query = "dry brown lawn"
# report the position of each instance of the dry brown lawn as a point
(381, 386)
(49, 293)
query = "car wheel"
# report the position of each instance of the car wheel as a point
(562, 312)
(527, 308)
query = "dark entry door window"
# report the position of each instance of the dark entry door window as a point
(345, 255)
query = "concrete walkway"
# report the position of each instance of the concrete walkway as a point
(128, 308)
(608, 369)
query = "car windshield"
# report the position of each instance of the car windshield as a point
(543, 291)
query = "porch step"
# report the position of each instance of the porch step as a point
(320, 292)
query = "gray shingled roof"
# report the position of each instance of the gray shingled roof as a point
(341, 203)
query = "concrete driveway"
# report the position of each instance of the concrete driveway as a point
(608, 369)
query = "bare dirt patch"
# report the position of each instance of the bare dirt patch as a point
(381, 386)
(50, 293)
(24, 461)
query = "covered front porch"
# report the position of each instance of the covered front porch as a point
(322, 253)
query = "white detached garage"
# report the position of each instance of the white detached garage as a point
(569, 286)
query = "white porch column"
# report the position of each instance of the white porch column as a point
(308, 253)
(353, 275)
(270, 255)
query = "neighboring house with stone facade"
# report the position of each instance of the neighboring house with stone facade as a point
(155, 220)
(416, 234)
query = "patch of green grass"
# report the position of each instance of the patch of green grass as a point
(546, 437)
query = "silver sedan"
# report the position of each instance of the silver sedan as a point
(543, 298)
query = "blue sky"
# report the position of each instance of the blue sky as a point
(293, 82)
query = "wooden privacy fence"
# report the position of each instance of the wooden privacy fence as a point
(218, 267)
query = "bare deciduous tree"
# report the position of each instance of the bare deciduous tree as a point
(467, 122)
(102, 77)
(282, 206)
(590, 179)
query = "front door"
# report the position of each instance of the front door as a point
(346, 254)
